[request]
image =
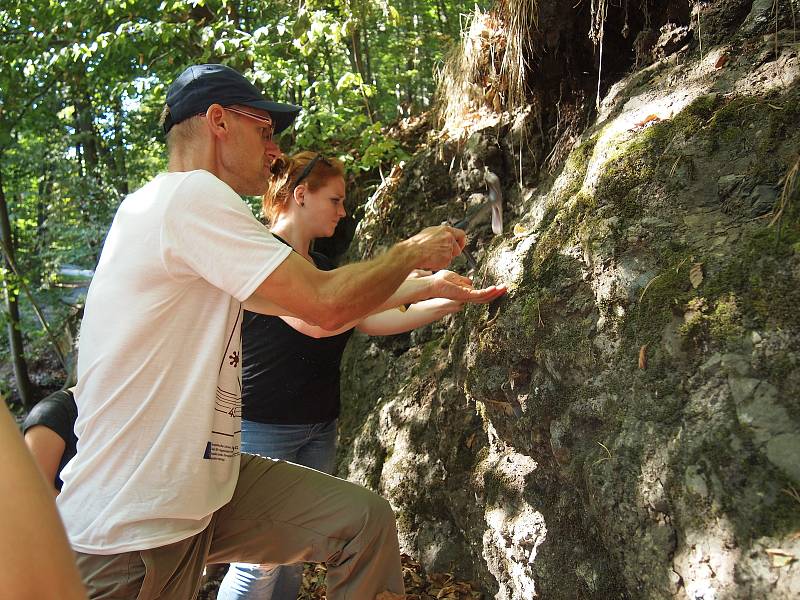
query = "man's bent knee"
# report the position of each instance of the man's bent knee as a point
(379, 512)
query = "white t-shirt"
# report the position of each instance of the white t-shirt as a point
(159, 365)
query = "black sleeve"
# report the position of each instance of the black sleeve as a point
(56, 412)
(322, 262)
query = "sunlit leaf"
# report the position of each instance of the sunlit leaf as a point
(696, 275)
(302, 24)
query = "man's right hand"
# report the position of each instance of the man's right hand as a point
(437, 246)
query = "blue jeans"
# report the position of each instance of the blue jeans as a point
(312, 445)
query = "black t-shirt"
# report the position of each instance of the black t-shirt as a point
(288, 377)
(57, 412)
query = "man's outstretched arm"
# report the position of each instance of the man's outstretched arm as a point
(331, 299)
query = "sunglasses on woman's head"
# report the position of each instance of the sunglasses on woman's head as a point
(310, 167)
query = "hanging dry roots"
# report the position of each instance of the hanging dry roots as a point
(790, 186)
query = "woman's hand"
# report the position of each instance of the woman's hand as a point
(450, 285)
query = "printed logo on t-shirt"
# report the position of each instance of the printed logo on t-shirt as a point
(226, 427)
(228, 403)
(221, 452)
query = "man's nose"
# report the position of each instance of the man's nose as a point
(272, 150)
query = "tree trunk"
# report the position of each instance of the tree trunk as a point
(367, 57)
(78, 146)
(358, 61)
(328, 62)
(411, 63)
(409, 86)
(120, 164)
(15, 341)
(442, 17)
(87, 134)
(311, 77)
(45, 188)
(370, 75)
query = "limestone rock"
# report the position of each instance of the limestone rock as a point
(526, 444)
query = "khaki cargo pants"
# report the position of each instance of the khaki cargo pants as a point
(280, 513)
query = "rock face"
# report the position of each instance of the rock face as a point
(625, 423)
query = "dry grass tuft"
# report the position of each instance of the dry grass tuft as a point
(470, 76)
(490, 67)
(521, 19)
(791, 188)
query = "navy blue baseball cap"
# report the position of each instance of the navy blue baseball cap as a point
(200, 86)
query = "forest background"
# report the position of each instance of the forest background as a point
(82, 85)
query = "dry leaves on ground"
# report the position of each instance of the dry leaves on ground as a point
(419, 585)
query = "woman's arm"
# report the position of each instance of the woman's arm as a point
(395, 321)
(443, 284)
(47, 448)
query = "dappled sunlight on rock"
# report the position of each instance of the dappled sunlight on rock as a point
(706, 561)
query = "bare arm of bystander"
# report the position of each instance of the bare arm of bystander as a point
(47, 448)
(39, 563)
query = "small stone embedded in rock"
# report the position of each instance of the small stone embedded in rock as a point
(695, 482)
(783, 451)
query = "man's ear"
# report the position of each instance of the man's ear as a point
(218, 120)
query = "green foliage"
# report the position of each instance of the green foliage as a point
(83, 84)
(350, 137)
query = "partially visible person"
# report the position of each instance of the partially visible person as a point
(159, 487)
(36, 562)
(291, 369)
(50, 436)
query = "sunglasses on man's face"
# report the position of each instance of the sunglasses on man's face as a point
(267, 126)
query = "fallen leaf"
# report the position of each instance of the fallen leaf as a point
(519, 230)
(643, 357)
(419, 585)
(722, 61)
(780, 558)
(389, 596)
(470, 440)
(648, 119)
(696, 274)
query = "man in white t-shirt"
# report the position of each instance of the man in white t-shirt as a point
(158, 487)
